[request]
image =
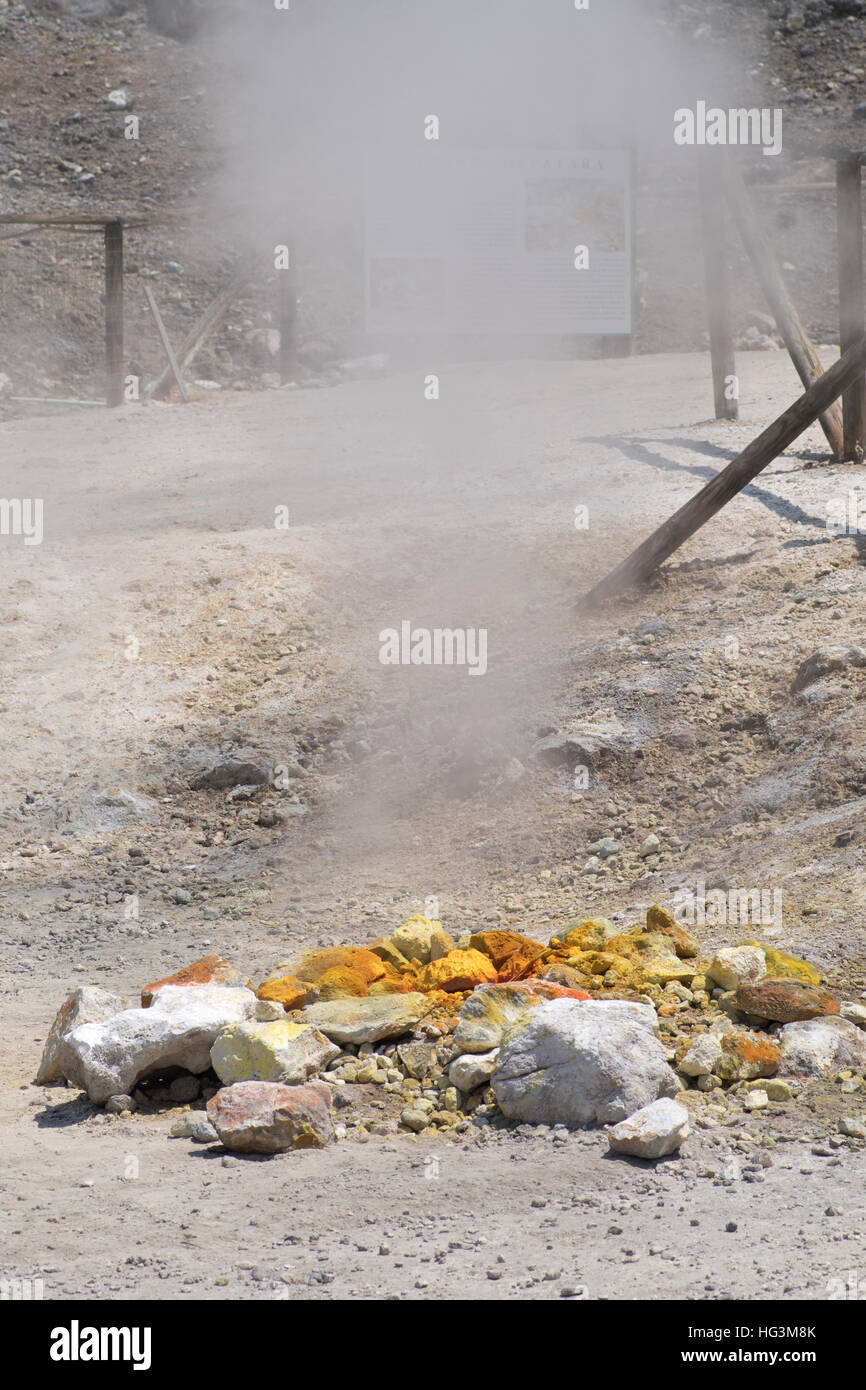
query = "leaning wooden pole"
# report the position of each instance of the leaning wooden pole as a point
(732, 479)
(288, 318)
(718, 298)
(788, 321)
(114, 313)
(852, 309)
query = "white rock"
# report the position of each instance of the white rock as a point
(178, 1030)
(583, 1062)
(735, 965)
(703, 1054)
(652, 1132)
(472, 1070)
(855, 1013)
(822, 1046)
(118, 100)
(756, 1100)
(651, 845)
(87, 1005)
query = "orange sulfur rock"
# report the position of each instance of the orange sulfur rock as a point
(746, 1056)
(289, 991)
(511, 953)
(311, 965)
(210, 970)
(458, 970)
(550, 989)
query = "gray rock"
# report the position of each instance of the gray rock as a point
(89, 1004)
(178, 1030)
(415, 1119)
(183, 1089)
(822, 1047)
(825, 660)
(243, 768)
(368, 1020)
(203, 1132)
(120, 1105)
(583, 1062)
(656, 1130)
(606, 847)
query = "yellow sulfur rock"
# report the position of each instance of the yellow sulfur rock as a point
(586, 936)
(387, 951)
(340, 981)
(782, 966)
(599, 963)
(421, 939)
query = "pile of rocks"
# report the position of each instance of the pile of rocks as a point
(419, 1033)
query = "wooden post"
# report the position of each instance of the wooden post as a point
(114, 313)
(788, 321)
(734, 477)
(717, 284)
(852, 310)
(288, 315)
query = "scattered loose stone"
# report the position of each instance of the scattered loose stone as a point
(652, 1132)
(702, 1056)
(744, 1056)
(854, 1013)
(756, 1100)
(415, 1119)
(120, 1105)
(852, 1127)
(781, 965)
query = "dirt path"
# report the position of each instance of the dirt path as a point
(165, 616)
